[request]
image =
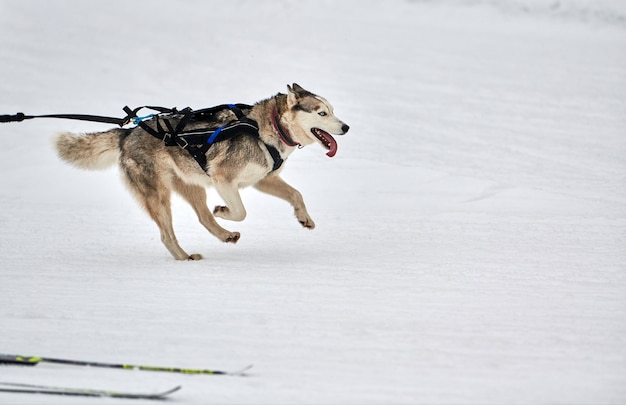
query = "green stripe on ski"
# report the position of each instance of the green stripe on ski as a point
(28, 359)
(180, 370)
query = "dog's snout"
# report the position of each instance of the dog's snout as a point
(345, 128)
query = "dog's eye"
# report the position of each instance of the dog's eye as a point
(322, 113)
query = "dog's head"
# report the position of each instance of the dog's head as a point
(312, 119)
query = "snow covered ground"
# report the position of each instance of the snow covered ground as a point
(471, 231)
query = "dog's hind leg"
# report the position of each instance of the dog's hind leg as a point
(277, 187)
(160, 211)
(196, 197)
(155, 198)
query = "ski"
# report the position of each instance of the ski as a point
(81, 392)
(34, 360)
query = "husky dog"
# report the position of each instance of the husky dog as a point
(152, 170)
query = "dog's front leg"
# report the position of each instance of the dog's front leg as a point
(234, 209)
(277, 187)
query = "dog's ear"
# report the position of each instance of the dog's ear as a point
(297, 88)
(295, 94)
(292, 96)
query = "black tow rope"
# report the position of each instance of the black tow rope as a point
(82, 117)
(131, 115)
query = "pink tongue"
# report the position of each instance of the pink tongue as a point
(333, 146)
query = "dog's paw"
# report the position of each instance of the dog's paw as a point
(233, 237)
(221, 212)
(195, 256)
(306, 222)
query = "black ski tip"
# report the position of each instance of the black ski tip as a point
(168, 392)
(16, 363)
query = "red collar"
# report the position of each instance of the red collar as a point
(282, 133)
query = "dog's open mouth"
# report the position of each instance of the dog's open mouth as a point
(327, 140)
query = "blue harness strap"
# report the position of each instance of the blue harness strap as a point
(137, 120)
(213, 137)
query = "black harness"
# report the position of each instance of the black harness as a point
(198, 141)
(170, 123)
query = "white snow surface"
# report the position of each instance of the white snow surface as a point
(471, 230)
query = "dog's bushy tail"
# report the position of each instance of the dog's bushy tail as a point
(94, 151)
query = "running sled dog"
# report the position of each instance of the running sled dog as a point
(152, 169)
